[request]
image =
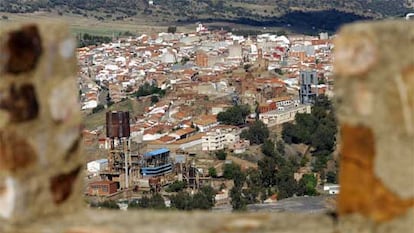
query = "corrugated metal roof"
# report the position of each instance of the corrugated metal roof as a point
(156, 152)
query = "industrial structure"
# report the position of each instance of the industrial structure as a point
(119, 159)
(124, 170)
(156, 163)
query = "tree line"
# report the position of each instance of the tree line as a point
(87, 40)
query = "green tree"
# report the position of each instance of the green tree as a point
(182, 201)
(307, 185)
(221, 155)
(98, 108)
(157, 202)
(304, 161)
(142, 203)
(279, 71)
(230, 169)
(238, 202)
(331, 177)
(200, 201)
(324, 138)
(320, 161)
(267, 171)
(257, 133)
(154, 99)
(204, 199)
(268, 148)
(317, 129)
(172, 29)
(184, 60)
(257, 111)
(106, 205)
(280, 147)
(176, 186)
(286, 184)
(235, 115)
(289, 133)
(148, 89)
(212, 172)
(254, 190)
(109, 101)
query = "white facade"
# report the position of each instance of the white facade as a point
(168, 57)
(280, 116)
(331, 188)
(97, 165)
(213, 140)
(191, 144)
(220, 138)
(204, 128)
(235, 51)
(90, 104)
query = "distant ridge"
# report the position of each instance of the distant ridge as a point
(315, 15)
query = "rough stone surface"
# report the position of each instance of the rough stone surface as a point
(16, 153)
(20, 102)
(177, 222)
(61, 186)
(355, 223)
(361, 191)
(21, 49)
(374, 88)
(7, 197)
(403, 224)
(37, 159)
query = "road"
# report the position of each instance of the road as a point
(316, 204)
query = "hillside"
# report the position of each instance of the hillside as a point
(210, 8)
(92, 121)
(296, 15)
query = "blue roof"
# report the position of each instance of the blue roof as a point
(156, 152)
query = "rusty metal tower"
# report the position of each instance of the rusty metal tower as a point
(118, 133)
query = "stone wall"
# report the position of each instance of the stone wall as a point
(40, 164)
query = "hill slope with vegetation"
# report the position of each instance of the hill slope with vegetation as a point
(326, 15)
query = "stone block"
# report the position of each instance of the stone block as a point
(40, 164)
(374, 92)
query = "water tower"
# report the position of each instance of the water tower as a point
(118, 133)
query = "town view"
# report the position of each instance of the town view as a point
(208, 105)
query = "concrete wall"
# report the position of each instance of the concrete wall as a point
(40, 164)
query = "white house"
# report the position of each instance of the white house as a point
(220, 137)
(331, 188)
(97, 165)
(283, 115)
(90, 104)
(213, 140)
